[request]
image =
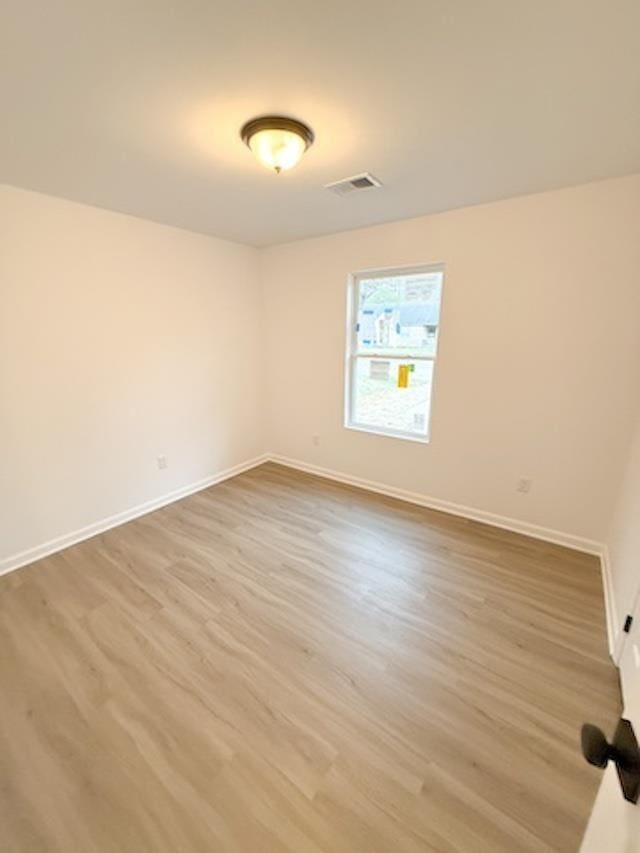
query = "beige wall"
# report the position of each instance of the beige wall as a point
(538, 372)
(120, 340)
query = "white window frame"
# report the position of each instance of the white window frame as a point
(352, 354)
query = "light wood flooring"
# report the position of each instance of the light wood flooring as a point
(282, 663)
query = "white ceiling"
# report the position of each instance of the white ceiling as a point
(135, 105)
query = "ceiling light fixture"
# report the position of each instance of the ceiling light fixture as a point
(277, 141)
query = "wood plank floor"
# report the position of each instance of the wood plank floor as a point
(281, 663)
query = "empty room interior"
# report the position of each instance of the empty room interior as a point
(320, 426)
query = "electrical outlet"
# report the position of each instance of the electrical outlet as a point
(523, 485)
(162, 462)
(315, 439)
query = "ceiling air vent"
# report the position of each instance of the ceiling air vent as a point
(353, 184)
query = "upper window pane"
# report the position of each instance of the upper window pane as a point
(399, 314)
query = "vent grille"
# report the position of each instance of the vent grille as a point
(346, 186)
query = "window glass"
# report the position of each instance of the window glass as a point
(392, 349)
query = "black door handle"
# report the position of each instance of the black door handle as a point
(623, 750)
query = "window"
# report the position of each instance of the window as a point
(391, 350)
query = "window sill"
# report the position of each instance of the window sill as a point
(403, 436)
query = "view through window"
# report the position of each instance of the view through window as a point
(392, 347)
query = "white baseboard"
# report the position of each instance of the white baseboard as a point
(614, 634)
(15, 561)
(578, 543)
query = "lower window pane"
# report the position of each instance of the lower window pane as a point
(390, 394)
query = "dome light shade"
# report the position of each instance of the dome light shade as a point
(277, 142)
